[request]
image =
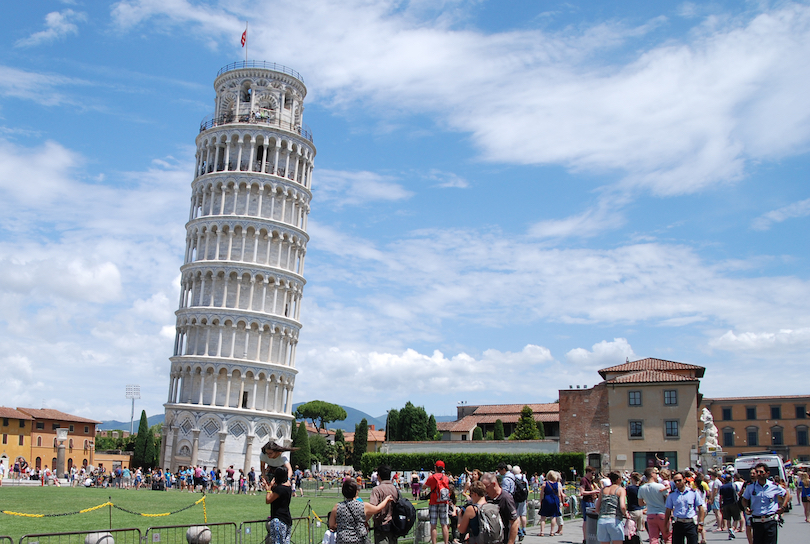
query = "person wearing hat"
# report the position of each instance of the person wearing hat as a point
(438, 505)
(275, 454)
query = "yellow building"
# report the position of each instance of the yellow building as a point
(779, 423)
(78, 447)
(16, 436)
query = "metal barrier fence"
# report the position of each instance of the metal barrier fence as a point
(255, 532)
(103, 536)
(219, 533)
(6, 540)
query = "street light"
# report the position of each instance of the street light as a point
(133, 392)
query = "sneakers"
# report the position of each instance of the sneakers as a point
(731, 535)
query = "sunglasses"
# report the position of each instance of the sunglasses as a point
(678, 480)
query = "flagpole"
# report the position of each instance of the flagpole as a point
(246, 42)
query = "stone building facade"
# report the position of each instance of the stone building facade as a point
(233, 368)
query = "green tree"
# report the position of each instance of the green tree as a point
(301, 457)
(149, 453)
(340, 447)
(432, 431)
(526, 429)
(478, 434)
(497, 434)
(318, 447)
(138, 457)
(360, 442)
(413, 423)
(320, 413)
(541, 430)
(392, 425)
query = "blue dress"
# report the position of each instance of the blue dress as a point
(550, 507)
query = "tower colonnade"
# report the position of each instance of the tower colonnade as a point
(242, 280)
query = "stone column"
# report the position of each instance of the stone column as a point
(221, 451)
(175, 441)
(195, 446)
(248, 453)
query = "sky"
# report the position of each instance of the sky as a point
(507, 196)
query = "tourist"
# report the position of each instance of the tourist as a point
(385, 488)
(551, 497)
(683, 505)
(349, 517)
(279, 524)
(653, 495)
(438, 486)
(635, 510)
(506, 506)
(468, 523)
(764, 501)
(612, 508)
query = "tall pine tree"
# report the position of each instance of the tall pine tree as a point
(478, 434)
(340, 447)
(498, 431)
(149, 450)
(392, 425)
(139, 454)
(526, 429)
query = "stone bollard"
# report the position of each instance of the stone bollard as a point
(198, 534)
(99, 538)
(531, 513)
(421, 530)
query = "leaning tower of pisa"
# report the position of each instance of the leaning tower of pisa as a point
(233, 368)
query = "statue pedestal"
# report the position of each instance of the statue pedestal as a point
(711, 457)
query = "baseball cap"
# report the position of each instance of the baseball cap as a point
(440, 463)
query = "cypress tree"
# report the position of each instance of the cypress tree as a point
(478, 434)
(301, 458)
(431, 429)
(149, 450)
(498, 432)
(138, 455)
(360, 442)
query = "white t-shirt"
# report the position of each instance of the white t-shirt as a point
(277, 462)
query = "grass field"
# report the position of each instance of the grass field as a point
(59, 500)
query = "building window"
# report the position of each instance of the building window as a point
(464, 437)
(5, 439)
(670, 397)
(55, 426)
(5, 422)
(801, 411)
(22, 424)
(70, 443)
(71, 428)
(22, 440)
(671, 428)
(728, 436)
(777, 436)
(636, 429)
(801, 436)
(40, 425)
(86, 429)
(39, 441)
(727, 413)
(753, 436)
(634, 398)
(776, 412)
(751, 412)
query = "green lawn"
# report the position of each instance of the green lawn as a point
(58, 500)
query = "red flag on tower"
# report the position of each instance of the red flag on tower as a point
(244, 38)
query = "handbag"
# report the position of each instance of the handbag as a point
(329, 537)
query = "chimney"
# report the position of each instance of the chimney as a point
(371, 427)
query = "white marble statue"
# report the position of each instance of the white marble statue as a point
(709, 429)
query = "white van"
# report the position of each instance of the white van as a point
(747, 461)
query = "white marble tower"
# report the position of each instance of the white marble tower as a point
(233, 368)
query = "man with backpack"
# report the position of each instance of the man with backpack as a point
(439, 487)
(506, 506)
(383, 532)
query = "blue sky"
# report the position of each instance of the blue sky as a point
(508, 196)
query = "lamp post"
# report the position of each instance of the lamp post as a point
(133, 392)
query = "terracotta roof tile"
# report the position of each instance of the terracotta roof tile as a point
(785, 397)
(47, 413)
(651, 363)
(12, 413)
(647, 376)
(469, 422)
(516, 408)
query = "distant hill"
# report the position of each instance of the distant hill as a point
(113, 425)
(354, 417)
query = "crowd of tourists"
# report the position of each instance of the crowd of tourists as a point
(680, 507)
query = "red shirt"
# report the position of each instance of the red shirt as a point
(433, 483)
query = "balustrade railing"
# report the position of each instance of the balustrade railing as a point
(255, 118)
(260, 64)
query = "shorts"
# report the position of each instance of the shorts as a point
(438, 514)
(806, 499)
(731, 511)
(521, 508)
(609, 529)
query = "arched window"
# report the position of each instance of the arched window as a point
(54, 442)
(70, 463)
(38, 463)
(86, 444)
(39, 442)
(70, 443)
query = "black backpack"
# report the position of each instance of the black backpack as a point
(403, 516)
(521, 490)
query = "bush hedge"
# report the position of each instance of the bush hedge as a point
(455, 463)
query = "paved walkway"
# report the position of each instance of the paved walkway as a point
(794, 531)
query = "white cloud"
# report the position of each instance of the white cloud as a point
(58, 24)
(605, 216)
(791, 211)
(679, 117)
(447, 179)
(753, 342)
(343, 188)
(602, 354)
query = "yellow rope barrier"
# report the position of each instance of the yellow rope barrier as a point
(108, 503)
(10, 513)
(205, 511)
(86, 510)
